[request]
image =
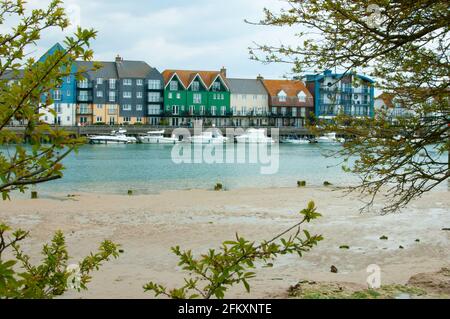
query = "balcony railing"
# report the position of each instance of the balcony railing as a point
(84, 110)
(85, 98)
(84, 85)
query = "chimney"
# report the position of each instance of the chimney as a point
(260, 77)
(223, 71)
(119, 59)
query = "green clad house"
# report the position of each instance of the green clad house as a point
(196, 95)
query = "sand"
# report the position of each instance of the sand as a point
(147, 226)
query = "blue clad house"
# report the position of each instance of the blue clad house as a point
(64, 98)
(349, 93)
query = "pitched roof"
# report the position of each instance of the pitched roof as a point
(187, 76)
(291, 87)
(133, 69)
(246, 86)
(387, 99)
(107, 71)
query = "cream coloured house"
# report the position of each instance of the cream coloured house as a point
(249, 102)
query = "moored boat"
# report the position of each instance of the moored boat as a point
(255, 136)
(157, 137)
(116, 137)
(213, 136)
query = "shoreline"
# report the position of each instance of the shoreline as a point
(148, 225)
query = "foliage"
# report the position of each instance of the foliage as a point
(404, 45)
(52, 277)
(214, 272)
(218, 187)
(26, 87)
(313, 290)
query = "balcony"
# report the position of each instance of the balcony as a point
(83, 110)
(84, 97)
(84, 85)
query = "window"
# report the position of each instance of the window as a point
(68, 119)
(301, 96)
(191, 109)
(197, 98)
(83, 96)
(154, 84)
(112, 84)
(83, 84)
(223, 110)
(127, 119)
(216, 86)
(282, 96)
(99, 81)
(99, 93)
(202, 109)
(138, 107)
(69, 80)
(57, 95)
(175, 109)
(99, 119)
(57, 108)
(294, 112)
(303, 112)
(213, 110)
(178, 96)
(126, 107)
(139, 95)
(112, 96)
(274, 110)
(154, 109)
(214, 96)
(112, 109)
(195, 86)
(173, 85)
(127, 82)
(154, 97)
(139, 119)
(68, 93)
(99, 106)
(170, 95)
(255, 97)
(139, 82)
(127, 95)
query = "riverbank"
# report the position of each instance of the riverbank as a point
(148, 225)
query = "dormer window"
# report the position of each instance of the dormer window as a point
(282, 96)
(301, 96)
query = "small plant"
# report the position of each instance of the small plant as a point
(344, 247)
(326, 183)
(301, 183)
(401, 247)
(34, 195)
(130, 192)
(213, 273)
(417, 240)
(218, 187)
(19, 279)
(384, 237)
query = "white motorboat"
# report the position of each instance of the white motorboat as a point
(116, 137)
(213, 136)
(157, 137)
(330, 138)
(292, 140)
(255, 136)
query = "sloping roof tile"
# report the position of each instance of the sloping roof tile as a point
(186, 76)
(291, 87)
(246, 86)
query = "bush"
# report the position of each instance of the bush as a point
(301, 183)
(19, 279)
(218, 187)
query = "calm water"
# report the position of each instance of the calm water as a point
(150, 168)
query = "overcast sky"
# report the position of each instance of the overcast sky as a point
(178, 34)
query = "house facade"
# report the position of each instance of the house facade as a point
(120, 92)
(249, 102)
(191, 96)
(350, 94)
(290, 102)
(63, 97)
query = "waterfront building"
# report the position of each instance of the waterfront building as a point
(350, 93)
(120, 92)
(196, 96)
(290, 102)
(249, 102)
(63, 97)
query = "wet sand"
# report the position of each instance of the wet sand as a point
(147, 226)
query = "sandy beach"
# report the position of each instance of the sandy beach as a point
(147, 226)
